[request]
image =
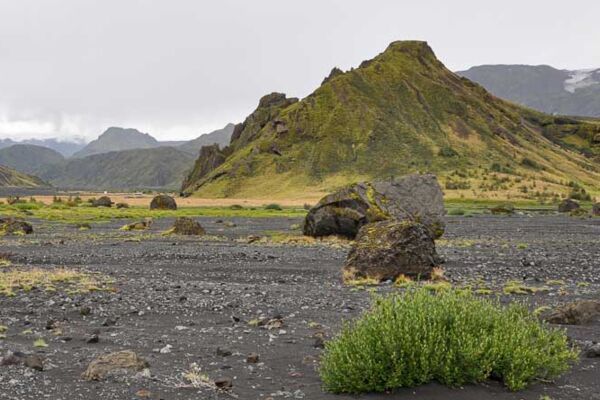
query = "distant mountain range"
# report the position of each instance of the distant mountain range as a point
(11, 178)
(542, 87)
(119, 159)
(67, 147)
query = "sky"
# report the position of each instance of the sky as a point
(180, 68)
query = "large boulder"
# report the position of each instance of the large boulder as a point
(387, 249)
(187, 226)
(15, 226)
(108, 364)
(568, 205)
(163, 202)
(577, 313)
(103, 201)
(416, 197)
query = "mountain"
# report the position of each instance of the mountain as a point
(154, 168)
(29, 158)
(11, 178)
(117, 139)
(400, 112)
(220, 137)
(542, 87)
(66, 147)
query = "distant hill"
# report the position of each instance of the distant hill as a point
(220, 137)
(117, 139)
(11, 178)
(65, 147)
(160, 167)
(400, 112)
(29, 158)
(542, 87)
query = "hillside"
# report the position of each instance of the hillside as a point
(220, 137)
(11, 178)
(400, 112)
(117, 139)
(65, 147)
(160, 167)
(29, 158)
(542, 87)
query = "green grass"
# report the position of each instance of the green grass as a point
(455, 338)
(83, 213)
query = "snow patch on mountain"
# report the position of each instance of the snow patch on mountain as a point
(582, 78)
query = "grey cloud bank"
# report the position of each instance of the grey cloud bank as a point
(180, 68)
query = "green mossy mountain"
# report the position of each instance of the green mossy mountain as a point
(29, 158)
(400, 112)
(11, 178)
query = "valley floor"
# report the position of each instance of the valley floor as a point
(176, 300)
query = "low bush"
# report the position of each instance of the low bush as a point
(452, 337)
(273, 206)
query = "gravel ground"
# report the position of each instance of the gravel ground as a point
(180, 301)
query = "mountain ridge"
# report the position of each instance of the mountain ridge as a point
(400, 112)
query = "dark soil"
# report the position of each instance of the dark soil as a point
(190, 296)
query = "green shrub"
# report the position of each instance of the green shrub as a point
(273, 206)
(455, 338)
(457, 211)
(236, 207)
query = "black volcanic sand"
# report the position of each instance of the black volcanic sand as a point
(198, 295)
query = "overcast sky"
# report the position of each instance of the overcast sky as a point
(179, 68)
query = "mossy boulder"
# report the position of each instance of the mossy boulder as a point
(577, 313)
(416, 197)
(14, 226)
(503, 209)
(187, 226)
(387, 249)
(568, 205)
(163, 202)
(114, 363)
(103, 201)
(146, 223)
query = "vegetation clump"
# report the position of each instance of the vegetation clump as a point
(449, 336)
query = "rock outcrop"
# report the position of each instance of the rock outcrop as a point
(577, 313)
(187, 226)
(106, 365)
(416, 198)
(14, 226)
(387, 249)
(163, 202)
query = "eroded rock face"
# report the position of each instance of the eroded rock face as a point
(14, 226)
(568, 205)
(417, 198)
(577, 313)
(187, 226)
(163, 202)
(121, 361)
(387, 249)
(209, 159)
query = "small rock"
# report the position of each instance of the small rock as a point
(223, 383)
(85, 310)
(223, 352)
(252, 358)
(34, 362)
(93, 339)
(104, 365)
(109, 322)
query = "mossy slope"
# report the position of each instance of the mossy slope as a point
(400, 112)
(11, 178)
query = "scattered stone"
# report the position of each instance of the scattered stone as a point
(103, 201)
(252, 358)
(93, 339)
(596, 210)
(223, 352)
(34, 361)
(109, 322)
(163, 202)
(51, 324)
(166, 349)
(103, 366)
(187, 226)
(319, 342)
(412, 197)
(224, 383)
(15, 226)
(229, 224)
(385, 250)
(85, 310)
(577, 313)
(579, 212)
(568, 205)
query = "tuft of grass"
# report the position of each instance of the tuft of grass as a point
(522, 246)
(414, 337)
(40, 343)
(457, 211)
(555, 282)
(48, 279)
(273, 206)
(516, 287)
